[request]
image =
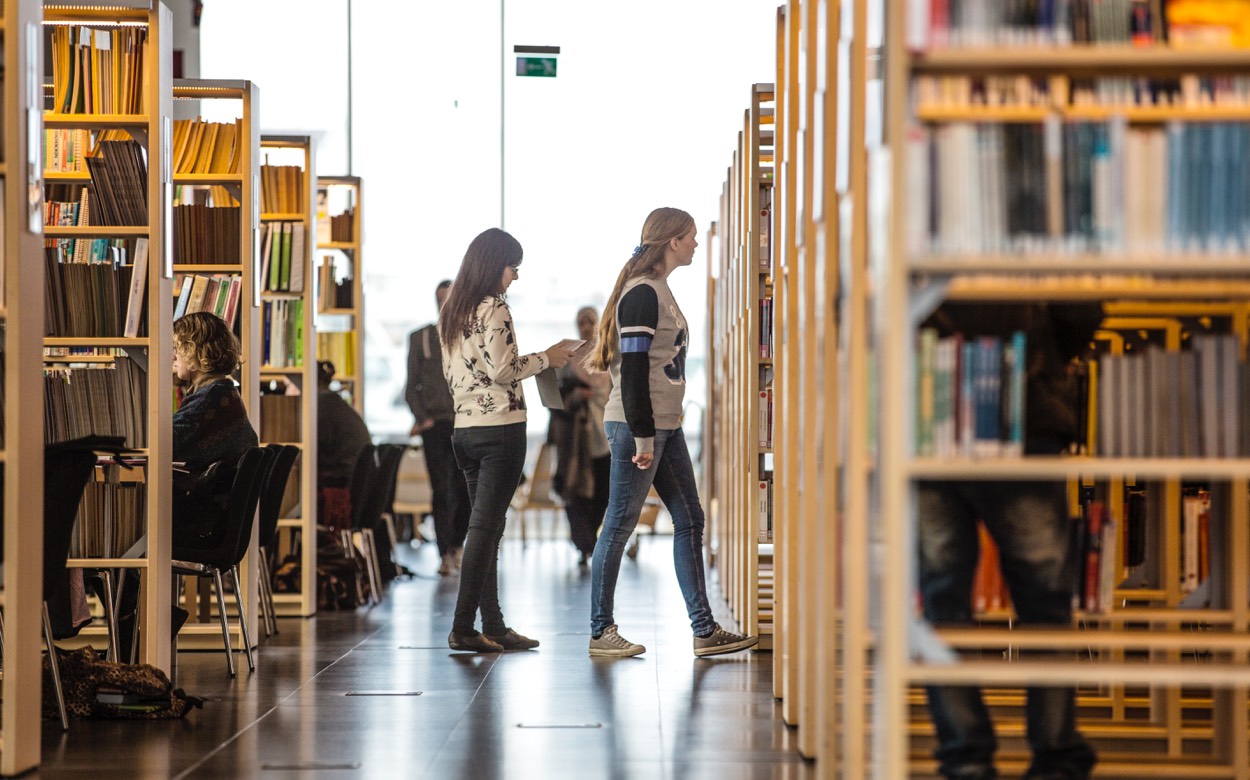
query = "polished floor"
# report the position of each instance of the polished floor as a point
(375, 693)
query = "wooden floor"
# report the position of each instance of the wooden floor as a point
(375, 693)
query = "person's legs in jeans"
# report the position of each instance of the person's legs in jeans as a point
(628, 490)
(492, 458)
(461, 506)
(1029, 523)
(674, 481)
(440, 462)
(949, 547)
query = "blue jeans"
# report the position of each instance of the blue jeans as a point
(1029, 523)
(492, 458)
(673, 476)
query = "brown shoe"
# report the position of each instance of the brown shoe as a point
(514, 641)
(478, 643)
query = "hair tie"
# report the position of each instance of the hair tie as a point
(638, 250)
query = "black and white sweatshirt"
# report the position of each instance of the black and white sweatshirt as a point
(649, 372)
(485, 370)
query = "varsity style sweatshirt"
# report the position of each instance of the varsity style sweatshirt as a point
(649, 372)
(485, 370)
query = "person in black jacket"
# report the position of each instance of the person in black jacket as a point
(434, 420)
(1029, 523)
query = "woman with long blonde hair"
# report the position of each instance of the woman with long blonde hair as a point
(642, 342)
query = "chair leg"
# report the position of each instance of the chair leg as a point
(370, 551)
(225, 621)
(56, 669)
(110, 615)
(270, 607)
(266, 619)
(238, 601)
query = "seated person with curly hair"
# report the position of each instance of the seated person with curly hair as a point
(211, 428)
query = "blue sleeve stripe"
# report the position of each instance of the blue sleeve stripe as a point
(635, 344)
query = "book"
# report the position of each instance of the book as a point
(138, 287)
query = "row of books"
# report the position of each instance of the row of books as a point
(279, 418)
(205, 234)
(97, 299)
(766, 227)
(764, 508)
(110, 519)
(1093, 542)
(1081, 187)
(342, 227)
(119, 181)
(207, 147)
(282, 256)
(98, 71)
(970, 395)
(339, 349)
(333, 291)
(766, 415)
(1189, 92)
(216, 293)
(65, 149)
(1159, 403)
(283, 189)
(1183, 23)
(100, 399)
(283, 333)
(766, 327)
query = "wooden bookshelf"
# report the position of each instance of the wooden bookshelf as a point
(743, 534)
(341, 324)
(22, 445)
(152, 127)
(299, 522)
(1145, 676)
(241, 184)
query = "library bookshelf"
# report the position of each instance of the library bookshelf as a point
(743, 398)
(288, 227)
(340, 283)
(215, 155)
(142, 116)
(21, 456)
(1152, 668)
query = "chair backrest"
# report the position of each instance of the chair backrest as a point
(539, 486)
(379, 491)
(240, 513)
(67, 466)
(362, 478)
(273, 488)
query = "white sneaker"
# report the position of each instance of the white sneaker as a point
(612, 645)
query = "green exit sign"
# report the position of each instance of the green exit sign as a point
(543, 67)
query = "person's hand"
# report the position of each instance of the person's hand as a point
(421, 426)
(644, 460)
(558, 356)
(584, 393)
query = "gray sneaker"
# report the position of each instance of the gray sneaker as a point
(721, 641)
(612, 645)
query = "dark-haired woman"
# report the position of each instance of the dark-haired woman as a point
(484, 370)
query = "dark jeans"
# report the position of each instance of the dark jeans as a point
(673, 475)
(586, 512)
(1029, 523)
(448, 490)
(492, 458)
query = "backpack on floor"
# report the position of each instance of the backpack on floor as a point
(102, 689)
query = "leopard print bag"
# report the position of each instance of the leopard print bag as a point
(130, 691)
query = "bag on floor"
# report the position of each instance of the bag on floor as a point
(341, 580)
(101, 689)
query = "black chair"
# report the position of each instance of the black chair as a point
(363, 478)
(231, 546)
(390, 458)
(373, 490)
(270, 505)
(66, 468)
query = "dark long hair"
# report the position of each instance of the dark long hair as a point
(480, 273)
(662, 226)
